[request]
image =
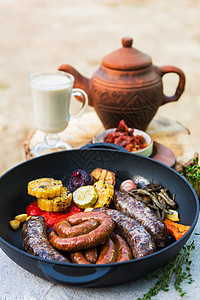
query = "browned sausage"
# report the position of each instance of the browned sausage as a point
(79, 258)
(35, 240)
(108, 253)
(85, 241)
(138, 238)
(143, 214)
(123, 250)
(64, 228)
(91, 255)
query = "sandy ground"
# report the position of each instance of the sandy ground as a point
(42, 34)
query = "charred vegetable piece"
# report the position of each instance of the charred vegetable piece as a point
(59, 203)
(175, 229)
(45, 188)
(105, 192)
(157, 198)
(85, 196)
(102, 174)
(77, 179)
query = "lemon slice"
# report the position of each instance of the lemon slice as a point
(173, 216)
(85, 196)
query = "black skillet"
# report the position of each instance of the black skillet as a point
(14, 199)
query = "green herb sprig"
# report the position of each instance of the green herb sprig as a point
(180, 265)
(192, 174)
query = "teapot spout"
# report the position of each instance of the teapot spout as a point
(80, 81)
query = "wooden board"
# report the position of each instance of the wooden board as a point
(163, 154)
(170, 137)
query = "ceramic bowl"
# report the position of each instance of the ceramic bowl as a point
(99, 138)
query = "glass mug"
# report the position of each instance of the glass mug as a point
(51, 96)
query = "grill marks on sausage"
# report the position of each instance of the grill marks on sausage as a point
(84, 241)
(35, 240)
(138, 238)
(143, 214)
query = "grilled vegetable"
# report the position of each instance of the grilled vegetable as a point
(85, 196)
(77, 179)
(105, 192)
(102, 174)
(127, 186)
(45, 188)
(158, 199)
(59, 203)
(175, 229)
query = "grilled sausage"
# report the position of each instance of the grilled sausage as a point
(85, 241)
(35, 240)
(64, 228)
(108, 253)
(143, 214)
(85, 257)
(123, 250)
(79, 258)
(91, 255)
(138, 238)
(115, 249)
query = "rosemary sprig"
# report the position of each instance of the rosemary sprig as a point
(180, 265)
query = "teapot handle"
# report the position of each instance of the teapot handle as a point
(181, 85)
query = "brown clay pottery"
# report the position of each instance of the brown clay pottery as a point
(127, 86)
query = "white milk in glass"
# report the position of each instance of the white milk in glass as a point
(51, 99)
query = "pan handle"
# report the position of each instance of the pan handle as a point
(54, 275)
(99, 146)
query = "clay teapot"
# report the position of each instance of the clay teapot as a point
(127, 86)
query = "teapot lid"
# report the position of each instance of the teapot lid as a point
(127, 57)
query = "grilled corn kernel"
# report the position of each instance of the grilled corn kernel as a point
(21, 217)
(15, 224)
(105, 192)
(56, 204)
(45, 188)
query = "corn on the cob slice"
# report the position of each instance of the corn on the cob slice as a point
(56, 204)
(45, 188)
(105, 191)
